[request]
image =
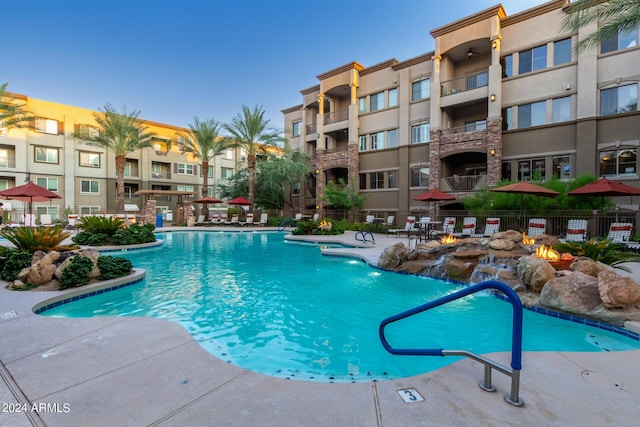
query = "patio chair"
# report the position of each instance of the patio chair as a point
(468, 226)
(248, 220)
(214, 218)
(263, 219)
(537, 227)
(224, 216)
(620, 232)
(200, 219)
(492, 225)
(369, 219)
(233, 220)
(316, 217)
(72, 219)
(45, 219)
(576, 230)
(409, 227)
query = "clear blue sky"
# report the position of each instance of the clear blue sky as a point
(175, 59)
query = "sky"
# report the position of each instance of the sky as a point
(174, 60)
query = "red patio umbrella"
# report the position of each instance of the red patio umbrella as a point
(240, 201)
(524, 187)
(434, 195)
(205, 201)
(604, 187)
(29, 193)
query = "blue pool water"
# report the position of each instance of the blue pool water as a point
(283, 309)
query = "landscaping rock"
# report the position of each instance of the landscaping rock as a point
(617, 291)
(393, 256)
(574, 293)
(535, 272)
(587, 266)
(43, 270)
(512, 235)
(502, 244)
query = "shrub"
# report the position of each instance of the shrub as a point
(604, 251)
(77, 273)
(134, 235)
(100, 225)
(33, 239)
(84, 238)
(14, 262)
(113, 267)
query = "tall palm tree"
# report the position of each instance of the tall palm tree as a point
(204, 142)
(120, 132)
(12, 115)
(613, 17)
(252, 132)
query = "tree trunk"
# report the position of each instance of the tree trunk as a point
(121, 162)
(251, 165)
(205, 187)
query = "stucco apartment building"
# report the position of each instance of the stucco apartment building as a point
(499, 97)
(46, 153)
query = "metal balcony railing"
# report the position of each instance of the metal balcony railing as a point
(465, 83)
(336, 116)
(471, 127)
(312, 128)
(463, 183)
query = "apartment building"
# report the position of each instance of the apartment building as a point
(47, 154)
(500, 97)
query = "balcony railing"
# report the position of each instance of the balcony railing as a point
(465, 83)
(463, 182)
(312, 128)
(470, 127)
(336, 116)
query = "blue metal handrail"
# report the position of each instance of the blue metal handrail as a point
(516, 337)
(283, 224)
(362, 236)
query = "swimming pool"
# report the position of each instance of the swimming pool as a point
(283, 309)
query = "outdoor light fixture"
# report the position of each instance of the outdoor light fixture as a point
(493, 97)
(493, 152)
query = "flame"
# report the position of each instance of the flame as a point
(527, 240)
(448, 239)
(547, 252)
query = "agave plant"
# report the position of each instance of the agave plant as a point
(100, 225)
(33, 239)
(602, 250)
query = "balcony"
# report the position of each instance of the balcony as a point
(468, 127)
(462, 183)
(465, 83)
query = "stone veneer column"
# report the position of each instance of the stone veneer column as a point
(434, 158)
(149, 212)
(494, 161)
(320, 180)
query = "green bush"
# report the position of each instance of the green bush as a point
(113, 267)
(604, 251)
(77, 273)
(100, 225)
(134, 235)
(85, 238)
(33, 239)
(13, 264)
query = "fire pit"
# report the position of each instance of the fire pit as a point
(527, 240)
(557, 261)
(448, 239)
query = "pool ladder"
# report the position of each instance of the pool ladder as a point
(516, 338)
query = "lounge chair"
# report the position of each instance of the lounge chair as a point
(248, 220)
(263, 219)
(576, 230)
(448, 226)
(316, 217)
(233, 220)
(369, 219)
(72, 219)
(45, 219)
(620, 232)
(409, 227)
(29, 220)
(492, 225)
(468, 227)
(200, 219)
(537, 226)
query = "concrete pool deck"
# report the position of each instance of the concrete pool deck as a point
(141, 371)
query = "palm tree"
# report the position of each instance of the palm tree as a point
(613, 17)
(121, 133)
(252, 133)
(204, 142)
(12, 115)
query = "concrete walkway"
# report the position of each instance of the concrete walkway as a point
(139, 371)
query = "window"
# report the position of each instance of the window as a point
(185, 188)
(475, 125)
(531, 169)
(392, 138)
(4, 184)
(376, 180)
(46, 155)
(562, 109)
(376, 101)
(362, 105)
(156, 170)
(393, 97)
(89, 186)
(532, 114)
(393, 179)
(420, 133)
(619, 99)
(91, 160)
(533, 59)
(506, 171)
(89, 210)
(47, 126)
(210, 192)
(421, 90)
(377, 141)
(562, 167)
(226, 173)
(623, 40)
(507, 118)
(296, 128)
(88, 131)
(618, 162)
(229, 154)
(362, 142)
(562, 52)
(4, 158)
(363, 181)
(185, 169)
(507, 66)
(420, 176)
(50, 184)
(210, 172)
(127, 169)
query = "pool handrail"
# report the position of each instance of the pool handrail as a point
(285, 222)
(516, 337)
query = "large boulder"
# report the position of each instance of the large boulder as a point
(574, 293)
(502, 244)
(393, 256)
(43, 270)
(617, 291)
(512, 235)
(547, 239)
(535, 272)
(587, 266)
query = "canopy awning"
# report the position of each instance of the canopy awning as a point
(6, 206)
(131, 208)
